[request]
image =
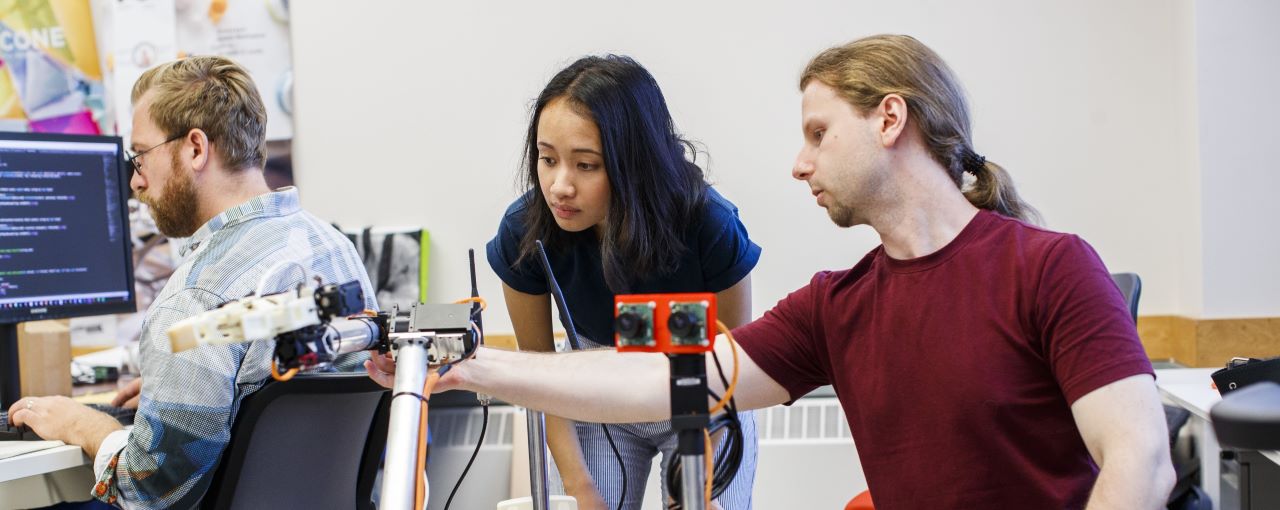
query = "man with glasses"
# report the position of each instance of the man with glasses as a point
(197, 150)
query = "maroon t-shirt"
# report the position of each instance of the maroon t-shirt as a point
(957, 370)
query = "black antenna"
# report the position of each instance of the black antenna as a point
(475, 291)
(569, 332)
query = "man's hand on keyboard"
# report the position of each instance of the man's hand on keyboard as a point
(63, 419)
(128, 395)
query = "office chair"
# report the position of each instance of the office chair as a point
(315, 441)
(1131, 288)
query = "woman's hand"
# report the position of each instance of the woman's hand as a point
(588, 497)
(381, 368)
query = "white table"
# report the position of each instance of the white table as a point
(1191, 389)
(45, 477)
(43, 461)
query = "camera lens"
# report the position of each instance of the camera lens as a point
(682, 324)
(629, 325)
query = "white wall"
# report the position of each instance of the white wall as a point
(1238, 65)
(414, 112)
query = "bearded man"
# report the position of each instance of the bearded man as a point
(198, 146)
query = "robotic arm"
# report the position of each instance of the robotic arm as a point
(311, 326)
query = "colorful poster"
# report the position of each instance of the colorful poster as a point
(254, 33)
(51, 79)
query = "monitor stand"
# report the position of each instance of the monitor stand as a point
(9, 377)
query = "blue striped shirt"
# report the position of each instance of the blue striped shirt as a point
(189, 400)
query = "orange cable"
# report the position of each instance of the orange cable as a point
(483, 303)
(733, 382)
(706, 438)
(420, 487)
(288, 374)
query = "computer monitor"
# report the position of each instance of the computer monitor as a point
(64, 235)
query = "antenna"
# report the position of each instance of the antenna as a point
(565, 320)
(475, 291)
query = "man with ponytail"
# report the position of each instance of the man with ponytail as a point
(981, 361)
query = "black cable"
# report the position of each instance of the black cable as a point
(729, 459)
(411, 394)
(622, 499)
(571, 337)
(723, 380)
(484, 426)
(727, 464)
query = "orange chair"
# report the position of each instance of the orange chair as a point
(860, 502)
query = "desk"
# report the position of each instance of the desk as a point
(1190, 388)
(43, 461)
(45, 477)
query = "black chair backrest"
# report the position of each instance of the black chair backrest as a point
(1131, 288)
(315, 441)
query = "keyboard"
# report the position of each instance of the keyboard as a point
(124, 415)
(10, 433)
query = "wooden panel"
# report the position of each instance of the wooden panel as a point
(507, 342)
(504, 342)
(1218, 340)
(1191, 342)
(1168, 337)
(1208, 343)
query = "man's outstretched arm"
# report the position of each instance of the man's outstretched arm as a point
(602, 386)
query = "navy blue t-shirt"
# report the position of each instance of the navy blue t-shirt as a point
(718, 255)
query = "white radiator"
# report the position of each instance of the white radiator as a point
(807, 458)
(454, 432)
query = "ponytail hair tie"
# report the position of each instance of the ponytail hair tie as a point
(973, 162)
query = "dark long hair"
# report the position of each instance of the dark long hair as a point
(656, 188)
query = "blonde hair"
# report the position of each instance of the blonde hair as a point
(864, 71)
(212, 94)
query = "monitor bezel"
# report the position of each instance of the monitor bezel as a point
(130, 303)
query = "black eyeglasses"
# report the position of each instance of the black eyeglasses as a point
(132, 164)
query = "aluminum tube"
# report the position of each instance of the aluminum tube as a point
(538, 460)
(399, 472)
(351, 335)
(693, 482)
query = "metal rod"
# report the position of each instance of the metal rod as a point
(693, 482)
(538, 460)
(399, 474)
(352, 335)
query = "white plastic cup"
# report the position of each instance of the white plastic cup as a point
(526, 503)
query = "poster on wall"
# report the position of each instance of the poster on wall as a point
(51, 79)
(254, 33)
(135, 36)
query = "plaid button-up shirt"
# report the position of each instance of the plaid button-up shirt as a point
(190, 399)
